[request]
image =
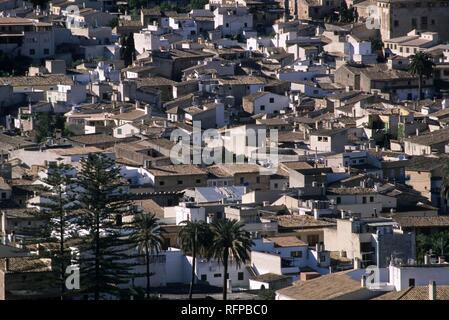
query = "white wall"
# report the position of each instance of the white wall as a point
(190, 214)
(399, 276)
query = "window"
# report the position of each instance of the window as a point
(324, 139)
(275, 185)
(204, 277)
(414, 23)
(119, 131)
(242, 180)
(217, 275)
(262, 108)
(396, 23)
(180, 182)
(338, 200)
(313, 239)
(245, 24)
(296, 254)
(3, 195)
(364, 199)
(411, 282)
(423, 22)
(371, 199)
(257, 179)
(46, 51)
(271, 100)
(161, 183)
(227, 25)
(240, 276)
(198, 180)
(32, 52)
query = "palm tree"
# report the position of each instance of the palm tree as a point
(192, 238)
(148, 236)
(229, 239)
(421, 66)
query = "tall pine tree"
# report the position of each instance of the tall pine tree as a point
(103, 251)
(57, 205)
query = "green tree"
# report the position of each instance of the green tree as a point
(47, 123)
(57, 205)
(437, 243)
(104, 251)
(440, 243)
(229, 240)
(128, 49)
(194, 238)
(422, 66)
(267, 294)
(197, 4)
(41, 3)
(148, 236)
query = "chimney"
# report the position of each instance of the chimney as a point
(148, 110)
(445, 103)
(357, 265)
(363, 282)
(417, 132)
(432, 290)
(229, 285)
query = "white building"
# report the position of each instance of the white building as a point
(135, 176)
(410, 275)
(189, 212)
(265, 102)
(171, 266)
(301, 71)
(68, 95)
(232, 20)
(353, 48)
(184, 26)
(27, 37)
(412, 43)
(150, 39)
(287, 255)
(125, 130)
